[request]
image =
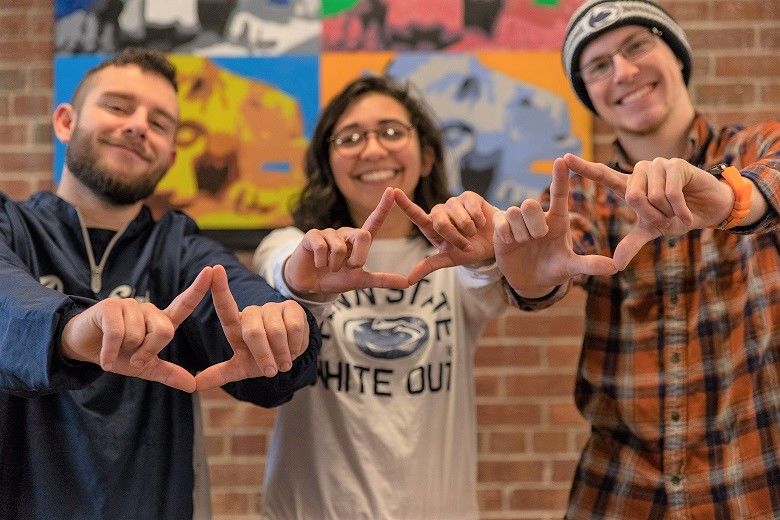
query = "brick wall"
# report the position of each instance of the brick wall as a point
(529, 431)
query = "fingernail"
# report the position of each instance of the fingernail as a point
(285, 366)
(269, 371)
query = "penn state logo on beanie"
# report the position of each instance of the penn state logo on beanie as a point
(595, 17)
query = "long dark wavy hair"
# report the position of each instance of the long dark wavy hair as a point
(321, 204)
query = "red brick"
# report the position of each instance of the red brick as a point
(510, 471)
(240, 414)
(769, 38)
(32, 51)
(41, 77)
(564, 356)
(41, 23)
(248, 474)
(12, 133)
(540, 385)
(16, 190)
(550, 442)
(535, 324)
(248, 444)
(215, 394)
(565, 414)
(717, 38)
(563, 470)
(491, 329)
(725, 94)
(45, 184)
(490, 499)
(504, 356)
(42, 134)
(24, 161)
(508, 414)
(31, 105)
(215, 445)
(507, 442)
(226, 503)
(527, 499)
(743, 10)
(740, 67)
(685, 11)
(486, 386)
(12, 79)
(13, 25)
(771, 94)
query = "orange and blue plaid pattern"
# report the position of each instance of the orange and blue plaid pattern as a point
(679, 373)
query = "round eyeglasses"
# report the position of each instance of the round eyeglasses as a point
(392, 135)
(635, 48)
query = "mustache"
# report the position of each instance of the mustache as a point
(130, 144)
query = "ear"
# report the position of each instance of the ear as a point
(426, 161)
(172, 158)
(64, 121)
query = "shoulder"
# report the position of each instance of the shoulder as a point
(755, 140)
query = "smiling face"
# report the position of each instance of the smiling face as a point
(121, 136)
(641, 95)
(363, 178)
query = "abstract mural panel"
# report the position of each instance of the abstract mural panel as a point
(254, 74)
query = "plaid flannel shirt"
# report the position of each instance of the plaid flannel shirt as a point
(679, 373)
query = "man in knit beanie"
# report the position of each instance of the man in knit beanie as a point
(677, 243)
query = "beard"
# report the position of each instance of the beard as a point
(104, 181)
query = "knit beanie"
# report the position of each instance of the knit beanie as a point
(595, 17)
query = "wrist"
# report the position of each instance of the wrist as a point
(742, 191)
(65, 349)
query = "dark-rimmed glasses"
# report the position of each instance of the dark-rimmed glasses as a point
(603, 67)
(392, 135)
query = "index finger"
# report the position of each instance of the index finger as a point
(600, 173)
(183, 305)
(418, 217)
(559, 189)
(225, 305)
(378, 216)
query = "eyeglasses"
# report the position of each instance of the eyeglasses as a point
(633, 50)
(392, 135)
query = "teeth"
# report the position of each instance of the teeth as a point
(380, 175)
(636, 95)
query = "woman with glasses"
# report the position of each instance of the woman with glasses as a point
(389, 428)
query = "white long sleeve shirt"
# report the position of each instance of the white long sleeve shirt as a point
(389, 428)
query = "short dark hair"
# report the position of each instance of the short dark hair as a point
(148, 60)
(321, 204)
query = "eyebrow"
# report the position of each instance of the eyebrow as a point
(354, 126)
(620, 46)
(129, 97)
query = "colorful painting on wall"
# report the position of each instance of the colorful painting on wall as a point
(253, 75)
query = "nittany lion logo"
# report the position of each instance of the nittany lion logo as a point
(603, 16)
(388, 338)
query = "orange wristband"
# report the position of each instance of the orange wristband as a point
(743, 194)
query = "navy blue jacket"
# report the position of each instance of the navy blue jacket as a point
(77, 442)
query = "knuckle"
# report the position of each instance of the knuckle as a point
(677, 162)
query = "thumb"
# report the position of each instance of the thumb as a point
(628, 248)
(428, 265)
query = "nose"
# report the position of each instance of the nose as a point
(373, 147)
(136, 125)
(625, 69)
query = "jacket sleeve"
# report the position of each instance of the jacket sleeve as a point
(205, 331)
(31, 321)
